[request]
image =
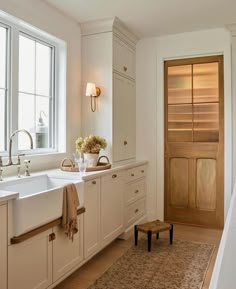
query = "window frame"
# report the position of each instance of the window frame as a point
(16, 28)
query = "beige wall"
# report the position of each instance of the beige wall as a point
(150, 103)
(44, 17)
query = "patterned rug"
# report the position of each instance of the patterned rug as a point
(180, 266)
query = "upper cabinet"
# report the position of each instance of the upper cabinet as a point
(108, 60)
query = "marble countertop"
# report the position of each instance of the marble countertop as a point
(58, 173)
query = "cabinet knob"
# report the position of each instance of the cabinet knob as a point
(125, 142)
(114, 176)
(136, 211)
(94, 182)
(125, 68)
(132, 175)
(52, 237)
(136, 191)
(142, 171)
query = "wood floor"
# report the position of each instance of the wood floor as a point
(87, 274)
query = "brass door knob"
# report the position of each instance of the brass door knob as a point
(125, 142)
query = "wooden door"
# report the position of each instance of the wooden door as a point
(194, 141)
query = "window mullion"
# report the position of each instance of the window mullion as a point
(14, 85)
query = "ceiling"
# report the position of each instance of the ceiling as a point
(147, 18)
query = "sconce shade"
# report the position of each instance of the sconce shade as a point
(91, 89)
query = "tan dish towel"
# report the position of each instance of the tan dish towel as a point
(69, 210)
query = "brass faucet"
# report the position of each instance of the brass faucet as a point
(10, 162)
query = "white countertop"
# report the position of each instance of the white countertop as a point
(6, 195)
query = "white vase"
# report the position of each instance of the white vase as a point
(91, 159)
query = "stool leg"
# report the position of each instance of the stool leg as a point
(157, 236)
(171, 234)
(136, 235)
(149, 240)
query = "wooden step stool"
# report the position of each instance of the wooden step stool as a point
(154, 227)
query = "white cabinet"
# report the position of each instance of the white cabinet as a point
(108, 60)
(66, 253)
(135, 196)
(123, 58)
(30, 263)
(112, 207)
(3, 246)
(92, 220)
(124, 116)
(41, 260)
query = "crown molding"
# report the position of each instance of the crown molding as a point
(108, 25)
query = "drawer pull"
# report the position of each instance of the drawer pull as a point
(52, 237)
(142, 171)
(136, 211)
(136, 191)
(132, 175)
(114, 176)
(125, 68)
(94, 182)
(125, 142)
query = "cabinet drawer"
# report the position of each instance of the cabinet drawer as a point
(135, 191)
(114, 177)
(136, 173)
(135, 211)
(123, 58)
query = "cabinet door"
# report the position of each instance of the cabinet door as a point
(30, 263)
(124, 118)
(92, 223)
(112, 207)
(3, 246)
(123, 58)
(67, 253)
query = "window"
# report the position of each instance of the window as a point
(35, 98)
(3, 85)
(31, 95)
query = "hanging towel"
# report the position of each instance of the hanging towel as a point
(69, 210)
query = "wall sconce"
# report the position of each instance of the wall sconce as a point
(93, 92)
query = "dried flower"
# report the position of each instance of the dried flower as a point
(90, 144)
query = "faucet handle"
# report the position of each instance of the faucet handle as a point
(27, 173)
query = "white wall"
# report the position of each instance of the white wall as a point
(50, 20)
(151, 54)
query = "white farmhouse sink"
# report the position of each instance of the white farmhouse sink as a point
(39, 202)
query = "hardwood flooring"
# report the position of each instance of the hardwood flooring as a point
(87, 274)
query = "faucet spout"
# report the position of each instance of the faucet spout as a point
(10, 143)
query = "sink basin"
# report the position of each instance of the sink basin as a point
(39, 202)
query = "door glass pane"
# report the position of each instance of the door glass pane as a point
(26, 119)
(43, 69)
(206, 122)
(180, 123)
(205, 82)
(180, 84)
(3, 56)
(26, 64)
(2, 119)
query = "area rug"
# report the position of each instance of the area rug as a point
(182, 265)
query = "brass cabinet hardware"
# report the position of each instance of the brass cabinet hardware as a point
(114, 176)
(132, 175)
(125, 68)
(94, 182)
(142, 171)
(136, 211)
(136, 191)
(125, 142)
(52, 237)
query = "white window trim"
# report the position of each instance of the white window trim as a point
(17, 26)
